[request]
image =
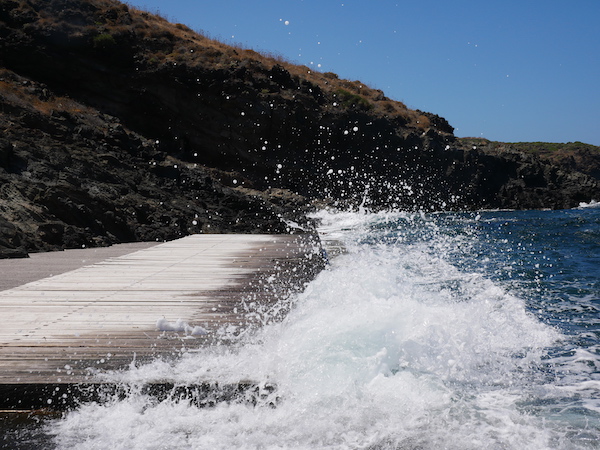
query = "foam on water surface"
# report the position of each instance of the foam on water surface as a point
(399, 344)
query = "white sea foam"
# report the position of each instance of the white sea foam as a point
(591, 204)
(180, 326)
(391, 347)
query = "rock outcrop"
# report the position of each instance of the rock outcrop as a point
(73, 177)
(119, 126)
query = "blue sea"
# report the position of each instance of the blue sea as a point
(432, 331)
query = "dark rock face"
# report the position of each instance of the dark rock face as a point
(72, 177)
(515, 180)
(571, 156)
(119, 126)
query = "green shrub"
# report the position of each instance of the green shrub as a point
(104, 41)
(348, 99)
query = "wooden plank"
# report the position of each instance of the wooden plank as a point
(207, 394)
(66, 327)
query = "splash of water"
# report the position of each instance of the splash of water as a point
(393, 346)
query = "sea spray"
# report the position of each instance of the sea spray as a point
(404, 342)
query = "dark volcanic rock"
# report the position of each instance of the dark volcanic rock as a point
(571, 156)
(515, 180)
(71, 177)
(119, 126)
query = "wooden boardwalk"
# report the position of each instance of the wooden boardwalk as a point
(66, 328)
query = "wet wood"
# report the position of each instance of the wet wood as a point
(67, 328)
(61, 397)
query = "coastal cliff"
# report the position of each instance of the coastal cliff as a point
(119, 126)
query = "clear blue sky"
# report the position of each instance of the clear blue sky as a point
(510, 71)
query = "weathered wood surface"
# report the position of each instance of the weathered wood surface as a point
(16, 272)
(65, 328)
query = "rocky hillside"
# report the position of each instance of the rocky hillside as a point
(576, 156)
(75, 177)
(119, 126)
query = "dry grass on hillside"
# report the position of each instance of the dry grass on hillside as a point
(195, 47)
(110, 25)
